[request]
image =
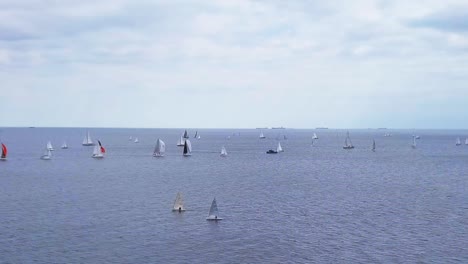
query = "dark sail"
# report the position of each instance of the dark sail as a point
(185, 148)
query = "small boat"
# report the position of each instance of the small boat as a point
(181, 141)
(458, 142)
(64, 145)
(414, 143)
(348, 144)
(47, 155)
(136, 140)
(159, 149)
(315, 136)
(4, 152)
(87, 140)
(272, 152)
(373, 145)
(279, 148)
(99, 150)
(49, 146)
(197, 136)
(187, 148)
(213, 214)
(223, 152)
(185, 134)
(261, 136)
(466, 141)
(178, 204)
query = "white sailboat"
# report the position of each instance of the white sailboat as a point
(414, 143)
(47, 154)
(87, 140)
(187, 148)
(458, 142)
(213, 214)
(99, 150)
(279, 148)
(178, 204)
(3, 156)
(466, 141)
(159, 149)
(348, 144)
(223, 152)
(197, 136)
(185, 134)
(64, 145)
(315, 136)
(373, 145)
(261, 135)
(49, 146)
(136, 140)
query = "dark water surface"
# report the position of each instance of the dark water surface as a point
(319, 204)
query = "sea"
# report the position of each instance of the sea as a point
(311, 203)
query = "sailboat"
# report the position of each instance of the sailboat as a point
(261, 135)
(47, 154)
(136, 140)
(373, 145)
(99, 150)
(49, 146)
(414, 143)
(223, 152)
(348, 144)
(213, 214)
(197, 136)
(4, 152)
(315, 136)
(185, 134)
(187, 148)
(178, 204)
(130, 138)
(458, 142)
(181, 141)
(64, 145)
(87, 140)
(466, 141)
(279, 148)
(159, 149)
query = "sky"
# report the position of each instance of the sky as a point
(234, 63)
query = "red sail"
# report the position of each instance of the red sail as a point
(103, 150)
(4, 151)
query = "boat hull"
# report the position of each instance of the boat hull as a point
(98, 156)
(349, 147)
(88, 144)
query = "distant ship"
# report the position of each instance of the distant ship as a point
(278, 127)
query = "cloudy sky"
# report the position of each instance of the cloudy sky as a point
(234, 63)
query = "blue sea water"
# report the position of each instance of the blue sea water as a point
(310, 204)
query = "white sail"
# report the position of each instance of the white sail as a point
(458, 142)
(136, 140)
(87, 140)
(315, 136)
(47, 154)
(213, 214)
(97, 152)
(64, 145)
(181, 141)
(414, 142)
(49, 146)
(466, 141)
(348, 144)
(223, 152)
(261, 135)
(178, 203)
(159, 149)
(187, 148)
(279, 148)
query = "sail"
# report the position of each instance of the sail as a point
(458, 142)
(49, 146)
(261, 135)
(373, 145)
(181, 141)
(4, 151)
(178, 203)
(279, 148)
(414, 142)
(64, 145)
(160, 148)
(196, 134)
(187, 147)
(466, 141)
(213, 209)
(101, 148)
(96, 151)
(185, 134)
(130, 138)
(223, 151)
(315, 136)
(87, 140)
(136, 140)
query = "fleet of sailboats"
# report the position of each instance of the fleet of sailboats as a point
(223, 152)
(187, 148)
(348, 144)
(4, 154)
(159, 149)
(99, 150)
(87, 140)
(213, 213)
(178, 204)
